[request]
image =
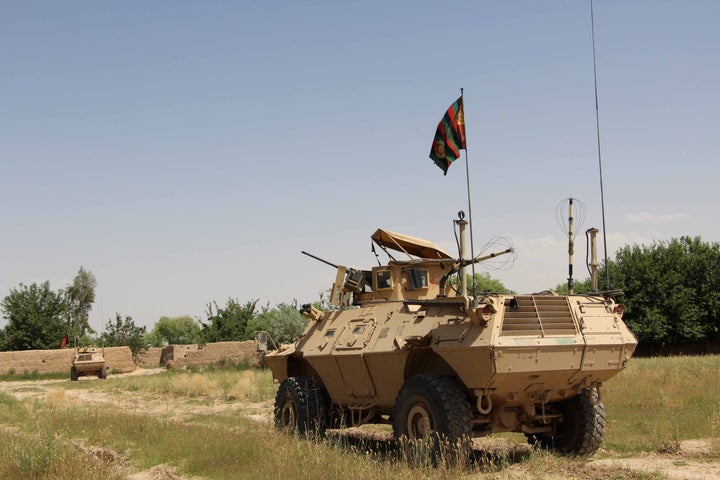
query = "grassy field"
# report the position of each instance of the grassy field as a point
(651, 407)
(658, 402)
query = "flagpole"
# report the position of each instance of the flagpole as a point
(467, 177)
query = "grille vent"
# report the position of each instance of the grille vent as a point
(538, 315)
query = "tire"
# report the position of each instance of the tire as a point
(103, 373)
(432, 416)
(581, 430)
(302, 407)
(73, 374)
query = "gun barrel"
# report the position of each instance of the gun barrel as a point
(318, 258)
(480, 258)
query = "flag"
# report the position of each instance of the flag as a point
(449, 137)
(64, 341)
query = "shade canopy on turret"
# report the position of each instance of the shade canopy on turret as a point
(411, 246)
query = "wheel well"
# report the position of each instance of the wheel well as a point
(427, 361)
(299, 367)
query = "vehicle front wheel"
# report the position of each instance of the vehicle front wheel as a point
(433, 411)
(73, 374)
(581, 429)
(103, 373)
(302, 407)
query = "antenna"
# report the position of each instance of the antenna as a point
(597, 128)
(575, 216)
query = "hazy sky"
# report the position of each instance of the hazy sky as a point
(185, 152)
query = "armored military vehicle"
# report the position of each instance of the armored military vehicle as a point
(88, 361)
(402, 347)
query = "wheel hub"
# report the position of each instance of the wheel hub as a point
(419, 422)
(287, 414)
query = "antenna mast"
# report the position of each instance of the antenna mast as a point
(597, 128)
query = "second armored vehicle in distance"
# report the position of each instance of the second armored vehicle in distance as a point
(88, 361)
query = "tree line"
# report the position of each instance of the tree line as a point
(40, 318)
(671, 290)
(671, 293)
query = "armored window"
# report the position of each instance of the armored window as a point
(417, 278)
(383, 279)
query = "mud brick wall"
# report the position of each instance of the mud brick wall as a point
(176, 353)
(118, 360)
(150, 358)
(213, 353)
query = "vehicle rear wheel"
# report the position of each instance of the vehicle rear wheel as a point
(103, 373)
(433, 411)
(73, 374)
(301, 406)
(581, 430)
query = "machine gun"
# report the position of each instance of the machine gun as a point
(347, 282)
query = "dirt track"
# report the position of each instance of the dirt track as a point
(686, 463)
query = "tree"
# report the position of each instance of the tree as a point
(124, 333)
(284, 323)
(80, 297)
(671, 290)
(175, 331)
(228, 323)
(579, 287)
(484, 284)
(35, 316)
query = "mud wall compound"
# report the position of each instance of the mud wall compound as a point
(179, 356)
(118, 360)
(149, 358)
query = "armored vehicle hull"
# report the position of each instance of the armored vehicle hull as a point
(428, 362)
(88, 361)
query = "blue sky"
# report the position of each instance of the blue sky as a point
(186, 152)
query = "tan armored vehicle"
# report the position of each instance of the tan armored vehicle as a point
(403, 348)
(88, 361)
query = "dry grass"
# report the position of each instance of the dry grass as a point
(658, 402)
(651, 407)
(252, 385)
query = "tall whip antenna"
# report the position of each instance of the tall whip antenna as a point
(597, 128)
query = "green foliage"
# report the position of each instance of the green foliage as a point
(672, 290)
(229, 323)
(284, 323)
(175, 331)
(323, 302)
(85, 341)
(35, 316)
(80, 296)
(579, 287)
(12, 375)
(484, 283)
(123, 332)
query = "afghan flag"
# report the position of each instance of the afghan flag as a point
(449, 137)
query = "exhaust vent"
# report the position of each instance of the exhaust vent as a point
(538, 315)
